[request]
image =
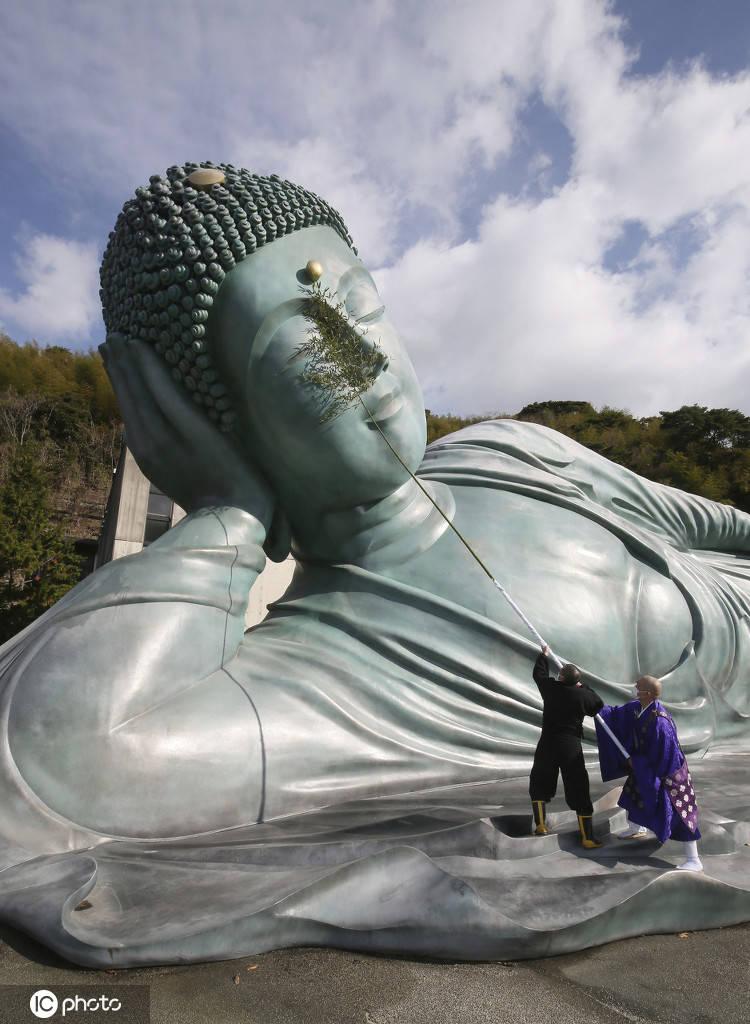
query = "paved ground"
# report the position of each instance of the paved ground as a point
(697, 977)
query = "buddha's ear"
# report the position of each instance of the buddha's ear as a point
(278, 540)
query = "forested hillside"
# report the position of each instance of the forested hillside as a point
(60, 437)
(60, 404)
(59, 441)
(704, 451)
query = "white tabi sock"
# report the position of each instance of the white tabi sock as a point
(633, 831)
(692, 861)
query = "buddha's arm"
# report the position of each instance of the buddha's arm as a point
(534, 458)
(119, 715)
(688, 521)
(146, 626)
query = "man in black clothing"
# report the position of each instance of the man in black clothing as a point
(566, 700)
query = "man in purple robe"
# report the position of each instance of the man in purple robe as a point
(658, 792)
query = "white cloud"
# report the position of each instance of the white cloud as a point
(59, 278)
(367, 207)
(531, 311)
(393, 94)
(404, 117)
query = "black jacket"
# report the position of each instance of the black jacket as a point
(565, 704)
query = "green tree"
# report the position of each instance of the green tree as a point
(706, 433)
(715, 443)
(37, 564)
(57, 373)
(549, 414)
(63, 402)
(439, 426)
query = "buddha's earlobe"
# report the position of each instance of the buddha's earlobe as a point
(278, 542)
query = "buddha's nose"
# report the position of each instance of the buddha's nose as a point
(381, 366)
(371, 345)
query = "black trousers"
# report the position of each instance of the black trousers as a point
(560, 753)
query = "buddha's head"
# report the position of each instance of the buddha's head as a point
(215, 267)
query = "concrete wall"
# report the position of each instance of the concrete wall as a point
(268, 588)
(125, 515)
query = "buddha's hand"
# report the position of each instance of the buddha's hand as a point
(173, 441)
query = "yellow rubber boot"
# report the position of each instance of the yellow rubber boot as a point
(539, 822)
(586, 826)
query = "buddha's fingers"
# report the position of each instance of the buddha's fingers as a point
(172, 439)
(153, 406)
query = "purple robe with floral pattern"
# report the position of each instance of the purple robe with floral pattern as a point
(658, 792)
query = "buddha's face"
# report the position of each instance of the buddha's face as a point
(256, 329)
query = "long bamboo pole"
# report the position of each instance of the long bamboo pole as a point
(540, 640)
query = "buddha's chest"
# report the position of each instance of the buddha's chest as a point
(591, 598)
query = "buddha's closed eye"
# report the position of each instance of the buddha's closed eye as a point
(373, 317)
(363, 304)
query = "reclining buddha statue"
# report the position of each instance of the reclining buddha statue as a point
(179, 771)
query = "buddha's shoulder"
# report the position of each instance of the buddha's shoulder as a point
(512, 454)
(531, 459)
(512, 437)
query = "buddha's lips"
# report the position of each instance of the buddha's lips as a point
(385, 408)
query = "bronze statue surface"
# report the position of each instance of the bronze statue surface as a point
(347, 772)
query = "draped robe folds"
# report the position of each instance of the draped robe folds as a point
(651, 795)
(376, 691)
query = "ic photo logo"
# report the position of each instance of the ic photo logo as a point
(44, 1004)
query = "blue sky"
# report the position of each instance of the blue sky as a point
(553, 196)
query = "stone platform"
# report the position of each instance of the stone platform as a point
(461, 880)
